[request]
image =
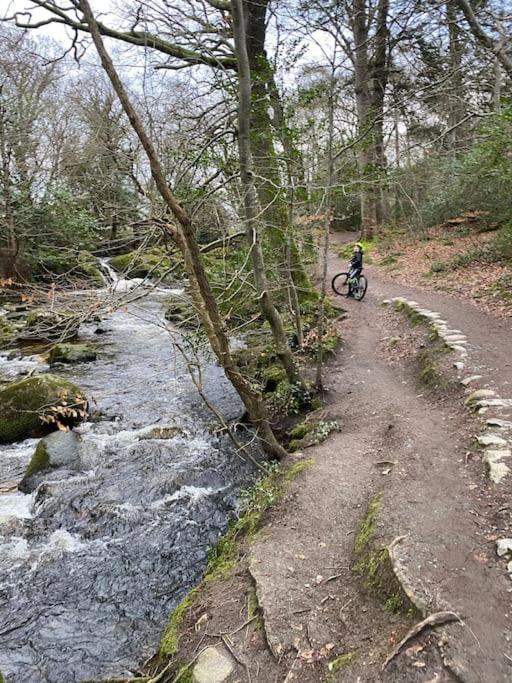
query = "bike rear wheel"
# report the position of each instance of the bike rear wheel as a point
(340, 284)
(360, 289)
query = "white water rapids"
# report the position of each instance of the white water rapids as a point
(92, 562)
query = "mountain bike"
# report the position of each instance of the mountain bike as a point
(344, 285)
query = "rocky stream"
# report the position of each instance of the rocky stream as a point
(95, 558)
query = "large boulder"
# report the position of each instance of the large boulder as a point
(69, 265)
(155, 262)
(72, 353)
(181, 313)
(44, 325)
(37, 405)
(60, 449)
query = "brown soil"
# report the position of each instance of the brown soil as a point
(412, 261)
(411, 446)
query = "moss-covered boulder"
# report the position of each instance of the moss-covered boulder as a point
(70, 265)
(60, 449)
(182, 313)
(72, 353)
(7, 332)
(44, 325)
(155, 263)
(37, 405)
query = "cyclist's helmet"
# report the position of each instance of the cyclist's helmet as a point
(358, 244)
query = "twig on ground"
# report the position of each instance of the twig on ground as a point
(237, 657)
(433, 620)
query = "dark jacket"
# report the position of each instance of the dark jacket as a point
(357, 260)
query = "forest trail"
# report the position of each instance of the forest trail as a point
(410, 457)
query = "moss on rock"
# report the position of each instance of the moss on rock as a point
(71, 265)
(182, 313)
(7, 332)
(307, 434)
(373, 564)
(32, 406)
(72, 353)
(40, 461)
(154, 262)
(44, 325)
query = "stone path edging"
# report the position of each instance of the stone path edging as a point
(496, 439)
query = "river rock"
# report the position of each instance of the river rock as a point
(24, 404)
(213, 665)
(60, 449)
(72, 353)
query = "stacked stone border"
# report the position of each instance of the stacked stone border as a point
(496, 438)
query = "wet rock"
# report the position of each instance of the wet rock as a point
(29, 407)
(43, 325)
(72, 353)
(213, 665)
(504, 546)
(60, 449)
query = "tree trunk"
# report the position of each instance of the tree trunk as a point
(9, 263)
(456, 106)
(185, 239)
(251, 198)
(371, 77)
(272, 196)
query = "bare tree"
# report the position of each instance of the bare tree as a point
(184, 236)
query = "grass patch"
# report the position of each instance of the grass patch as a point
(341, 661)
(224, 556)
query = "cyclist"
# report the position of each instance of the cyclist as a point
(356, 266)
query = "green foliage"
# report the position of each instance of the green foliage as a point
(307, 434)
(478, 180)
(341, 661)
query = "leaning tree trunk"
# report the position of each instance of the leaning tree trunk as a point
(251, 198)
(184, 237)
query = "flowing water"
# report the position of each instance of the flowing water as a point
(92, 563)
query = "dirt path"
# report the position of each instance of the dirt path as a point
(408, 455)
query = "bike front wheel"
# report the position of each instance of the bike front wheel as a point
(340, 284)
(360, 289)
